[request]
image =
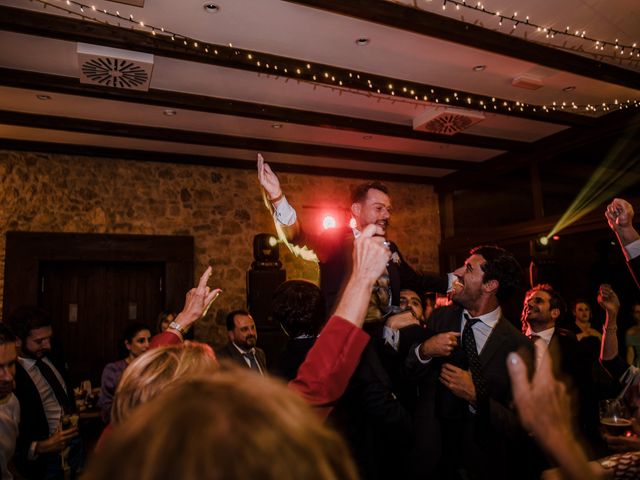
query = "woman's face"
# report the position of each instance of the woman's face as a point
(139, 343)
(165, 323)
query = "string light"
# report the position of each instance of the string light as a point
(411, 94)
(600, 44)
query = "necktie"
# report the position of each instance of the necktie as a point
(252, 361)
(471, 350)
(56, 386)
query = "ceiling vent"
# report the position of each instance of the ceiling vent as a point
(448, 121)
(528, 82)
(112, 67)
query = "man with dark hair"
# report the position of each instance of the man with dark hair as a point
(371, 204)
(465, 425)
(298, 306)
(46, 444)
(9, 405)
(242, 342)
(542, 311)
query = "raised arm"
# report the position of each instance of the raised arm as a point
(324, 375)
(619, 214)
(283, 213)
(196, 305)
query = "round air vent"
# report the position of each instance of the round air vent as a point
(113, 72)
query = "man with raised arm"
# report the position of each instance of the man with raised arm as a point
(371, 205)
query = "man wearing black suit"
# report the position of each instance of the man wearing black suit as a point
(619, 214)
(543, 307)
(465, 425)
(242, 342)
(44, 444)
(371, 204)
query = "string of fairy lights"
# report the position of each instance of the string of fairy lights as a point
(352, 82)
(514, 20)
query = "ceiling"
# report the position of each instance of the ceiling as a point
(289, 79)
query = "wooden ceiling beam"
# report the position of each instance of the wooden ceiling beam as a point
(445, 28)
(64, 28)
(209, 161)
(615, 124)
(95, 127)
(169, 99)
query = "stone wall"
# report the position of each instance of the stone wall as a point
(220, 207)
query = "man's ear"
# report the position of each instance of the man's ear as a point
(356, 208)
(232, 337)
(491, 286)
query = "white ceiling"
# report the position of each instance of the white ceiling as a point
(312, 35)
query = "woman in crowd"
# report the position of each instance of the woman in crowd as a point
(136, 342)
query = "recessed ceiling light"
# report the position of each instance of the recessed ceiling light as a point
(211, 7)
(170, 113)
(570, 88)
(43, 97)
(367, 137)
(479, 68)
(276, 125)
(361, 42)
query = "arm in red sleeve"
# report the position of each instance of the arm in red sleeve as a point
(165, 338)
(324, 375)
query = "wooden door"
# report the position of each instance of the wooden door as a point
(91, 304)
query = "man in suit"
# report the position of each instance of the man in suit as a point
(371, 204)
(465, 425)
(45, 447)
(619, 214)
(543, 308)
(242, 342)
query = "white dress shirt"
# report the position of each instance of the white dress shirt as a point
(632, 250)
(544, 334)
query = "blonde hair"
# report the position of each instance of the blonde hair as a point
(157, 368)
(234, 425)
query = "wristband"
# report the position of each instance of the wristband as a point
(179, 328)
(278, 198)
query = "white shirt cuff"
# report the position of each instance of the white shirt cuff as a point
(420, 359)
(391, 336)
(632, 250)
(31, 454)
(284, 213)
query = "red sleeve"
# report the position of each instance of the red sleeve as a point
(164, 338)
(324, 375)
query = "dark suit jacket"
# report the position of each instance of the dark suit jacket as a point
(292, 356)
(33, 422)
(334, 248)
(450, 438)
(232, 353)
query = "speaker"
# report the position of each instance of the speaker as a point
(260, 287)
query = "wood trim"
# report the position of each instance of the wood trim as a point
(612, 125)
(63, 28)
(25, 251)
(449, 29)
(212, 139)
(71, 86)
(186, 159)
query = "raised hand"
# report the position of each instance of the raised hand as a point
(619, 214)
(268, 180)
(198, 301)
(608, 299)
(370, 255)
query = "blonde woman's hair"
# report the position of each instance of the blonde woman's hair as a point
(157, 368)
(233, 425)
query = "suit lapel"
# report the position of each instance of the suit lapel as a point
(494, 342)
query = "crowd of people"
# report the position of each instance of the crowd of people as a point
(374, 382)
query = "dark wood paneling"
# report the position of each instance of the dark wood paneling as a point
(25, 251)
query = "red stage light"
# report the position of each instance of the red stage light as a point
(556, 237)
(328, 222)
